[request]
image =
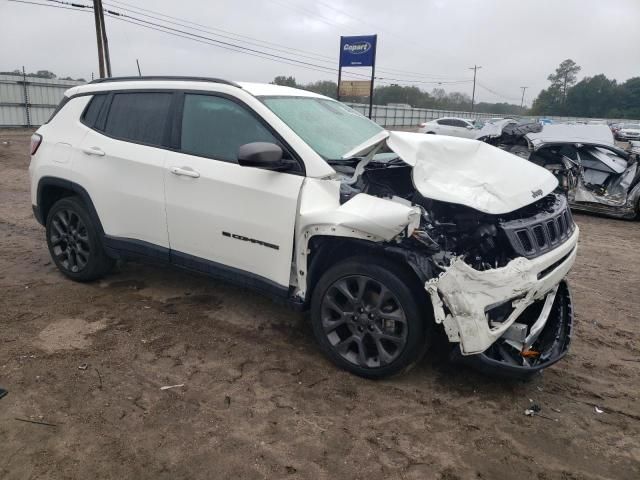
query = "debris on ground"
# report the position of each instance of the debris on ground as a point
(167, 387)
(3, 392)
(599, 410)
(532, 410)
(46, 424)
(535, 409)
(83, 366)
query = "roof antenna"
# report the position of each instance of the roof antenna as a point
(138, 63)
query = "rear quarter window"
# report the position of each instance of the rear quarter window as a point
(62, 103)
(90, 115)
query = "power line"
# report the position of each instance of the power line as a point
(228, 45)
(258, 41)
(342, 12)
(263, 43)
(513, 99)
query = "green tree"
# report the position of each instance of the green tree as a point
(43, 74)
(323, 87)
(592, 97)
(564, 77)
(285, 81)
(629, 98)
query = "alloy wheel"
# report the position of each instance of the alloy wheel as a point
(69, 240)
(363, 321)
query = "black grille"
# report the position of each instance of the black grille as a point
(533, 236)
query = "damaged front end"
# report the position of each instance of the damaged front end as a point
(500, 293)
(485, 234)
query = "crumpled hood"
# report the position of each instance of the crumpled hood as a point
(471, 173)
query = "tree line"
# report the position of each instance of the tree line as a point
(597, 96)
(438, 98)
(41, 74)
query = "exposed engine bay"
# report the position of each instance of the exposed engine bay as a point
(484, 240)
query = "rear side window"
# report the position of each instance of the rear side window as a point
(216, 127)
(62, 103)
(90, 115)
(139, 117)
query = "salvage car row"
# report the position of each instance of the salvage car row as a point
(593, 172)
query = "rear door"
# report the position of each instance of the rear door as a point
(459, 128)
(121, 164)
(222, 216)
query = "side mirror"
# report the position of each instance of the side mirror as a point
(262, 155)
(470, 127)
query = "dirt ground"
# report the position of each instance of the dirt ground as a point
(260, 401)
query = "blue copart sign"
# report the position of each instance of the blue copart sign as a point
(358, 51)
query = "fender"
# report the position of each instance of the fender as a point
(364, 217)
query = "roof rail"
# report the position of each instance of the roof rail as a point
(164, 77)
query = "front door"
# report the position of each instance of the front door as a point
(239, 219)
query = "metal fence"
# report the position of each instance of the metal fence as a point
(398, 116)
(29, 101)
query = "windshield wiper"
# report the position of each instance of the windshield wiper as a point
(344, 161)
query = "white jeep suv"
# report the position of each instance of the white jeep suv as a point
(384, 236)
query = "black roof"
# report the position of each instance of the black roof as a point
(163, 77)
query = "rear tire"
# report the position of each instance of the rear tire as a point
(74, 241)
(369, 317)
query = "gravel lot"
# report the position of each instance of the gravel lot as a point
(260, 401)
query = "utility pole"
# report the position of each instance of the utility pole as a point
(105, 42)
(96, 15)
(473, 95)
(522, 101)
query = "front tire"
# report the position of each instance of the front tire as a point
(74, 241)
(369, 317)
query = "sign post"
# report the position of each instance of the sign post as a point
(358, 51)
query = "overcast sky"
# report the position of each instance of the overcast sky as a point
(517, 43)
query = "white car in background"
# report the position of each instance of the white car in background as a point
(455, 127)
(629, 131)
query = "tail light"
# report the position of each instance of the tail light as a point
(36, 140)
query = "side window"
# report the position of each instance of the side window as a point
(443, 122)
(216, 127)
(90, 115)
(62, 103)
(139, 117)
(459, 123)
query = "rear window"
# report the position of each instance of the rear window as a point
(139, 117)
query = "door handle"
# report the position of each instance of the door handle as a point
(184, 171)
(93, 151)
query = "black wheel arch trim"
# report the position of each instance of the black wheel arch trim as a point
(327, 250)
(77, 189)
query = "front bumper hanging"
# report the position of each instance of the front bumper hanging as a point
(546, 340)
